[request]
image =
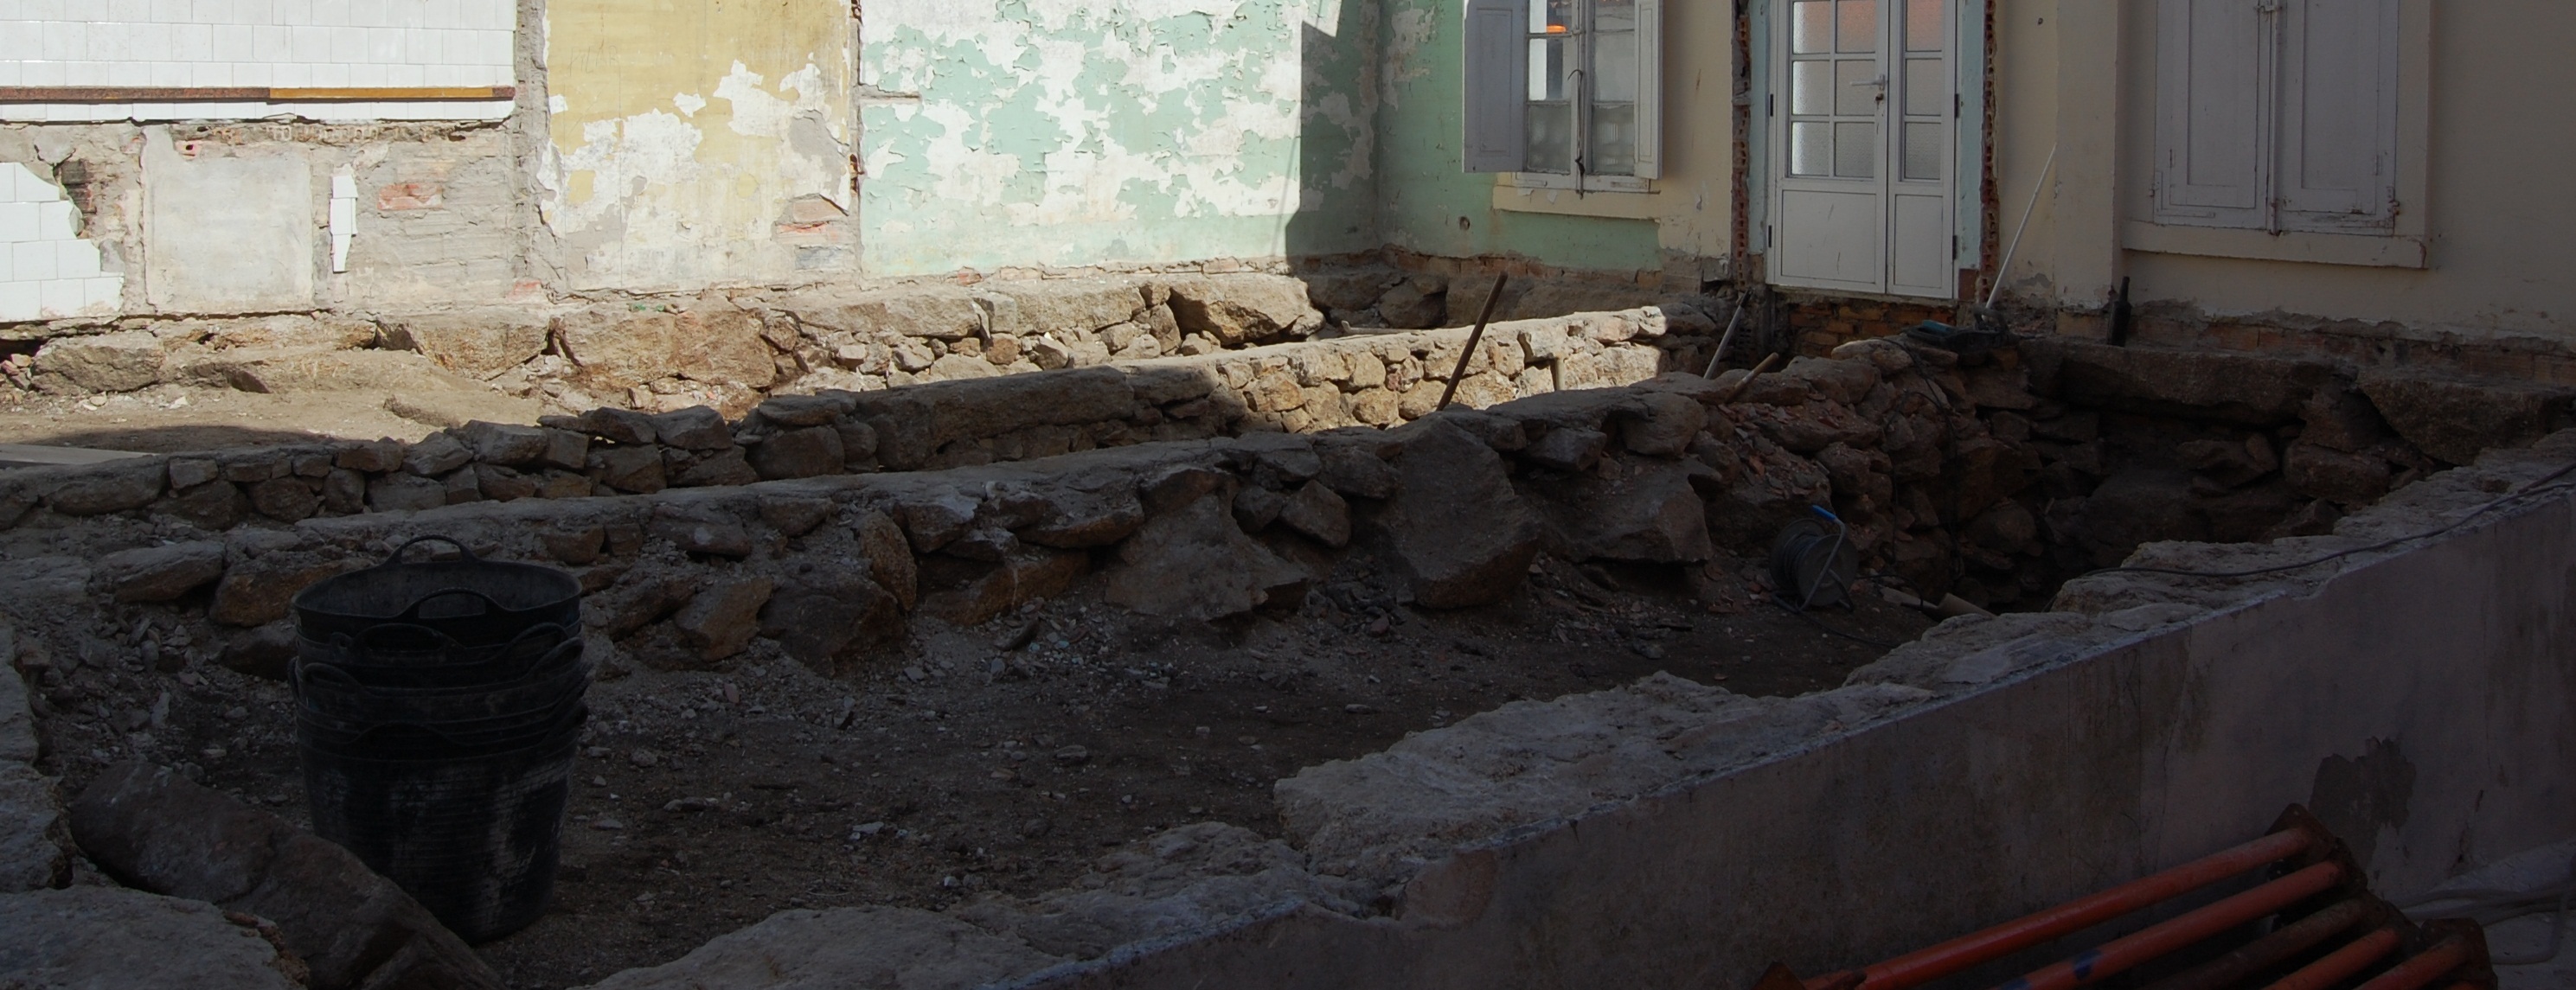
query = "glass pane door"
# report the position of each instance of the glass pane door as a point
(1837, 88)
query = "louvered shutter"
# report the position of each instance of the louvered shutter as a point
(1497, 57)
(1650, 89)
(2339, 115)
(2214, 73)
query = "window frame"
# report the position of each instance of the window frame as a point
(1649, 101)
(2401, 240)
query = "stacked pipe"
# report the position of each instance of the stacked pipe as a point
(437, 707)
(2325, 931)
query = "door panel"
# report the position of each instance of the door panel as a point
(1865, 124)
(1830, 240)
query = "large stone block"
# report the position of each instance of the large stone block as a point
(1061, 305)
(108, 362)
(1455, 527)
(940, 312)
(2456, 418)
(159, 574)
(111, 937)
(153, 829)
(1193, 562)
(481, 344)
(2253, 389)
(112, 487)
(1239, 309)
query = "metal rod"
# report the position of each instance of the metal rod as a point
(2340, 964)
(2432, 964)
(2074, 916)
(2123, 954)
(1728, 338)
(1477, 337)
(2026, 211)
(1738, 391)
(2270, 950)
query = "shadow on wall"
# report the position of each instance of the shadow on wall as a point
(1336, 203)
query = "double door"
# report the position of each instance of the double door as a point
(1864, 119)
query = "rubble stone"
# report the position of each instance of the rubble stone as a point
(505, 444)
(1633, 510)
(825, 617)
(1240, 309)
(107, 362)
(1320, 513)
(1192, 562)
(110, 937)
(807, 453)
(2322, 472)
(403, 493)
(151, 828)
(721, 620)
(436, 455)
(869, 947)
(1456, 529)
(693, 428)
(159, 574)
(1021, 578)
(2253, 389)
(285, 499)
(481, 344)
(32, 846)
(257, 591)
(2455, 419)
(1671, 422)
(889, 556)
(112, 487)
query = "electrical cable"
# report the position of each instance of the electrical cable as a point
(1799, 552)
(2536, 486)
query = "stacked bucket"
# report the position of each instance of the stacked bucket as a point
(438, 705)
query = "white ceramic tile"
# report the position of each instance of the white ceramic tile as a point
(232, 42)
(41, 74)
(191, 42)
(64, 40)
(17, 184)
(329, 75)
(17, 222)
(402, 76)
(384, 45)
(348, 44)
(254, 74)
(254, 12)
(210, 75)
(105, 293)
(291, 12)
(366, 75)
(60, 297)
(288, 75)
(87, 73)
(420, 45)
(272, 43)
(330, 13)
(54, 222)
(75, 259)
(28, 261)
(108, 42)
(12, 73)
(311, 44)
(129, 73)
(47, 10)
(170, 12)
(13, 10)
(19, 300)
(21, 39)
(127, 11)
(211, 11)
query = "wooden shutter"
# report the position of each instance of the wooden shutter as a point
(1497, 57)
(1650, 89)
(2214, 85)
(2338, 115)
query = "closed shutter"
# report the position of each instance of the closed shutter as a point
(2214, 82)
(2339, 115)
(1650, 89)
(1497, 82)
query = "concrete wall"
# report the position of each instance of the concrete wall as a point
(2419, 700)
(2480, 82)
(721, 159)
(1028, 133)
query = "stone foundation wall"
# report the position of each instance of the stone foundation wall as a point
(1359, 380)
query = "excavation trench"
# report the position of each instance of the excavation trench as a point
(1071, 699)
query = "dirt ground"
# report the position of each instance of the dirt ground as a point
(173, 418)
(706, 801)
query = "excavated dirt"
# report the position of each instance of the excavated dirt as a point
(176, 418)
(708, 801)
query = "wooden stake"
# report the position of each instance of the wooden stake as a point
(1474, 338)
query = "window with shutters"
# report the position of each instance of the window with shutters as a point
(1565, 93)
(2277, 115)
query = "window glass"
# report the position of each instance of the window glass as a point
(1811, 87)
(1551, 138)
(1551, 16)
(1614, 140)
(1855, 89)
(1924, 151)
(1811, 148)
(1923, 25)
(1549, 69)
(1858, 27)
(1856, 150)
(1614, 67)
(1812, 27)
(1927, 88)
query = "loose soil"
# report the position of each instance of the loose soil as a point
(166, 419)
(960, 766)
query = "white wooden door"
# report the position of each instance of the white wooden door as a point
(1864, 124)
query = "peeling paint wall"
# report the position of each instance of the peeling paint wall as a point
(699, 143)
(1006, 133)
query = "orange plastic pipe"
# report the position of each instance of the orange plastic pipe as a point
(2341, 963)
(2432, 964)
(1917, 968)
(2154, 941)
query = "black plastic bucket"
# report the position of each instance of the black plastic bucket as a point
(470, 602)
(475, 840)
(401, 656)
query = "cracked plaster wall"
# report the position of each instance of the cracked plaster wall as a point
(1004, 133)
(698, 143)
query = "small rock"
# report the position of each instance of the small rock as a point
(644, 758)
(607, 824)
(1073, 756)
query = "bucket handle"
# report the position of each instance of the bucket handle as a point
(396, 557)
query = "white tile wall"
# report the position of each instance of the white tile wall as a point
(282, 43)
(46, 272)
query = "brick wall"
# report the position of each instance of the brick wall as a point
(1820, 324)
